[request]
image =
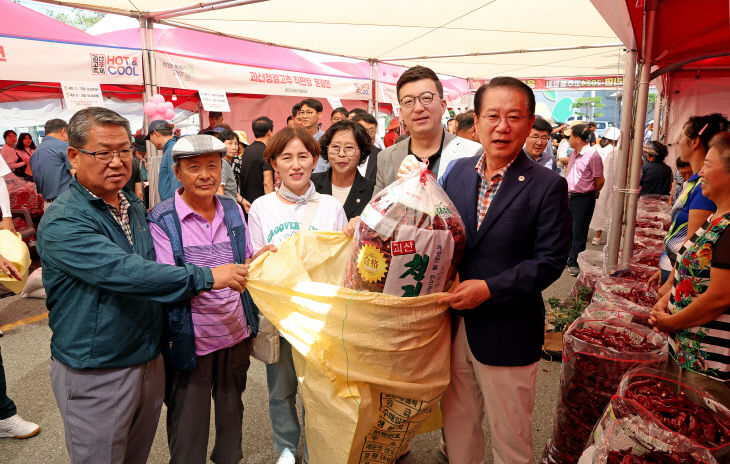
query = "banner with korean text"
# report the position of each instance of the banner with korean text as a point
(184, 72)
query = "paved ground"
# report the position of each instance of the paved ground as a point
(25, 351)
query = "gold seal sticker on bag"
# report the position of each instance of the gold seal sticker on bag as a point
(371, 263)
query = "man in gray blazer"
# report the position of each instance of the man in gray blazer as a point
(421, 98)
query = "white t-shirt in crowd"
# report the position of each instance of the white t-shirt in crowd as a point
(341, 193)
(270, 220)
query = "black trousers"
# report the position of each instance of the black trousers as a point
(581, 210)
(7, 407)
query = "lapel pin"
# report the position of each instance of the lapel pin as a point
(357, 200)
(521, 178)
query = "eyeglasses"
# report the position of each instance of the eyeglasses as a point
(106, 156)
(541, 138)
(347, 150)
(426, 98)
(306, 113)
(493, 120)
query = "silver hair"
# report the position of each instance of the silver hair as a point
(81, 123)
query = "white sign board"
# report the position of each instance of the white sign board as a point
(81, 94)
(214, 100)
(334, 102)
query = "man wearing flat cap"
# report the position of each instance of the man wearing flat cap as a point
(159, 133)
(105, 295)
(198, 227)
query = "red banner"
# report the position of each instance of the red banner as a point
(564, 83)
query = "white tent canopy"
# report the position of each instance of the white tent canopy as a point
(528, 38)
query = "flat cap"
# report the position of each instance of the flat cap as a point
(196, 145)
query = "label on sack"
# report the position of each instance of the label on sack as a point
(420, 261)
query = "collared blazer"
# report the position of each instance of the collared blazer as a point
(519, 249)
(390, 158)
(360, 193)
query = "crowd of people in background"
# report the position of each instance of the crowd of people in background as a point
(537, 187)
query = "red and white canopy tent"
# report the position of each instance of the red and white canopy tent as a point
(684, 47)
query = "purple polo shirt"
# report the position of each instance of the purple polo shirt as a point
(218, 317)
(583, 169)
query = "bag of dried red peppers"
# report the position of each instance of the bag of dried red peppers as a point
(671, 417)
(631, 290)
(597, 352)
(409, 241)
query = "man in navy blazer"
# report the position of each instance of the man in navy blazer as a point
(518, 235)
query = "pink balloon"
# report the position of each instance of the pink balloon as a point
(161, 108)
(453, 94)
(157, 98)
(150, 108)
(168, 106)
(169, 114)
(160, 116)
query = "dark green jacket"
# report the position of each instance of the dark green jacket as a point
(105, 298)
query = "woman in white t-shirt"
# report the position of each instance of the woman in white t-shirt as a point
(296, 205)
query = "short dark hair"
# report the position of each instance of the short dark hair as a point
(8, 132)
(82, 122)
(592, 124)
(227, 134)
(505, 81)
(55, 125)
(289, 118)
(365, 116)
(660, 150)
(721, 142)
(279, 141)
(464, 121)
(261, 126)
(295, 109)
(361, 137)
(417, 73)
(708, 125)
(313, 103)
(214, 114)
(681, 164)
(357, 111)
(340, 109)
(541, 125)
(582, 131)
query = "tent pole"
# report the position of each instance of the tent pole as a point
(373, 102)
(150, 88)
(667, 100)
(637, 148)
(627, 106)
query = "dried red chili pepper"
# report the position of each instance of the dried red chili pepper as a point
(596, 355)
(678, 413)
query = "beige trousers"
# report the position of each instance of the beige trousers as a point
(507, 394)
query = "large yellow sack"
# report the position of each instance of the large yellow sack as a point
(16, 251)
(372, 367)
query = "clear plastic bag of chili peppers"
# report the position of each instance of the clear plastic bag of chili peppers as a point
(597, 352)
(648, 243)
(618, 308)
(633, 440)
(650, 232)
(647, 257)
(634, 291)
(683, 417)
(661, 217)
(635, 272)
(409, 241)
